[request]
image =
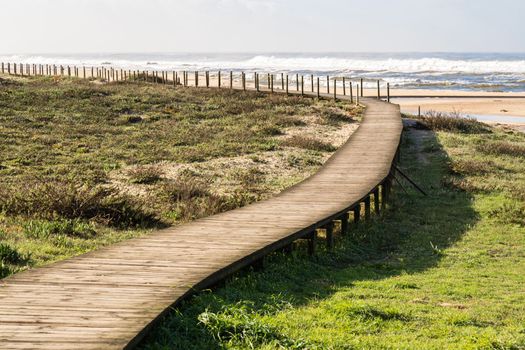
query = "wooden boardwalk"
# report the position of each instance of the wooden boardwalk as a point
(107, 299)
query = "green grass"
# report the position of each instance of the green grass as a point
(446, 271)
(85, 164)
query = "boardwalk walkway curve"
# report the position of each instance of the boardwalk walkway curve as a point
(108, 299)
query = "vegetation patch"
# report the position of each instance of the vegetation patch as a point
(308, 143)
(502, 148)
(86, 163)
(452, 122)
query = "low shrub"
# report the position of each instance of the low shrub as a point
(308, 143)
(145, 174)
(453, 122)
(502, 148)
(68, 199)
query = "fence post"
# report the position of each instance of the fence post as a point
(219, 79)
(231, 80)
(388, 92)
(302, 85)
(361, 87)
(312, 243)
(357, 213)
(271, 82)
(357, 95)
(318, 88)
(196, 78)
(351, 93)
(376, 200)
(335, 89)
(287, 84)
(282, 81)
(344, 223)
(297, 82)
(243, 81)
(344, 86)
(378, 91)
(312, 81)
(328, 85)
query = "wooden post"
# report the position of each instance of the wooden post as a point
(384, 195)
(231, 80)
(328, 85)
(207, 79)
(344, 87)
(3, 68)
(302, 85)
(287, 84)
(312, 81)
(318, 88)
(376, 200)
(219, 79)
(243, 76)
(388, 92)
(351, 93)
(84, 72)
(330, 236)
(367, 208)
(271, 82)
(268, 80)
(282, 81)
(344, 223)
(297, 82)
(256, 78)
(361, 87)
(174, 77)
(378, 91)
(196, 78)
(357, 95)
(312, 243)
(419, 111)
(335, 89)
(357, 213)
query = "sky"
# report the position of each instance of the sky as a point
(121, 26)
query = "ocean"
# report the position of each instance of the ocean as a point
(451, 71)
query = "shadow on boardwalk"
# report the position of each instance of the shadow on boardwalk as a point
(408, 238)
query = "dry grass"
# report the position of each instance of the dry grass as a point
(502, 148)
(453, 122)
(70, 199)
(308, 143)
(145, 174)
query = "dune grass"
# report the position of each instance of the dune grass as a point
(85, 164)
(445, 271)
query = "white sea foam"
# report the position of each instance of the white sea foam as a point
(465, 70)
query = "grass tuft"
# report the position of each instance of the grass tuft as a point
(502, 148)
(308, 143)
(452, 122)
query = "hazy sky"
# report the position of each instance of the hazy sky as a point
(77, 26)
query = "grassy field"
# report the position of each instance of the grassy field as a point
(85, 164)
(446, 271)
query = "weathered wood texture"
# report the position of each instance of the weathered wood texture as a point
(107, 299)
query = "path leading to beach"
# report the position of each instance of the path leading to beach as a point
(107, 299)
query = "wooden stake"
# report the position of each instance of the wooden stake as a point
(361, 87)
(312, 81)
(302, 85)
(328, 85)
(297, 82)
(318, 88)
(282, 81)
(388, 92)
(335, 89)
(219, 79)
(351, 93)
(231, 80)
(378, 91)
(287, 84)
(344, 224)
